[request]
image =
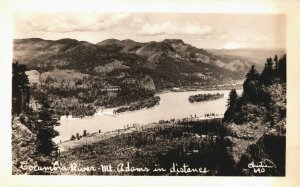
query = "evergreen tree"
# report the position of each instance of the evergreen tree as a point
(250, 85)
(20, 89)
(282, 68)
(84, 133)
(270, 63)
(276, 64)
(267, 75)
(231, 105)
(45, 129)
(232, 100)
(252, 74)
(72, 137)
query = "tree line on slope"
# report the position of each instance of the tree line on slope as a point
(40, 122)
(255, 88)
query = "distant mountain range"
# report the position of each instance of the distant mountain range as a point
(170, 61)
(257, 56)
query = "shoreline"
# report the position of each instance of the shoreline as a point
(97, 137)
(191, 89)
(156, 94)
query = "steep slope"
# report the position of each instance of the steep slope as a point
(34, 47)
(154, 50)
(169, 62)
(257, 140)
(255, 126)
(23, 146)
(190, 52)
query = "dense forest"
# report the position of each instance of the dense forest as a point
(80, 95)
(32, 129)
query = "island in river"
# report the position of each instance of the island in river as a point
(173, 105)
(77, 78)
(205, 97)
(222, 149)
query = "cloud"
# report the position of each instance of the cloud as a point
(67, 22)
(196, 29)
(233, 45)
(173, 28)
(245, 39)
(115, 23)
(241, 37)
(224, 36)
(261, 38)
(157, 29)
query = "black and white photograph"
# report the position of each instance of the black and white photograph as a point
(149, 94)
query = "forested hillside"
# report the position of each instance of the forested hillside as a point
(32, 129)
(248, 141)
(255, 122)
(169, 62)
(78, 77)
(252, 131)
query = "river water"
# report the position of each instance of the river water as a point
(173, 105)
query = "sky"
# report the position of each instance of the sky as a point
(201, 30)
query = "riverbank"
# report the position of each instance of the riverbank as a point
(154, 101)
(173, 105)
(71, 107)
(237, 86)
(197, 142)
(95, 137)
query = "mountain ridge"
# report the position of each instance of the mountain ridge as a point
(169, 56)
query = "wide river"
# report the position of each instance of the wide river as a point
(173, 105)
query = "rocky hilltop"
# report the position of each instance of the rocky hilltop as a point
(255, 122)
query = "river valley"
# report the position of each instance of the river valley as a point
(173, 105)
